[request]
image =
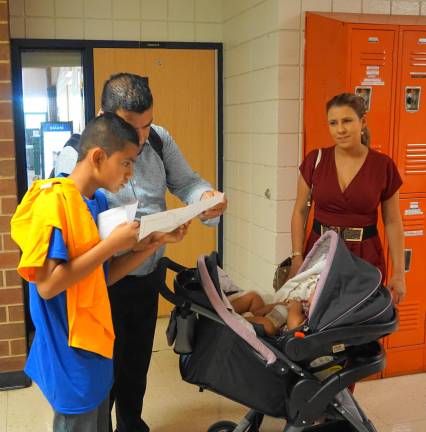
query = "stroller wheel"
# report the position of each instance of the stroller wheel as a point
(222, 426)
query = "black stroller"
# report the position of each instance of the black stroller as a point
(301, 376)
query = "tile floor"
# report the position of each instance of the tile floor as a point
(394, 405)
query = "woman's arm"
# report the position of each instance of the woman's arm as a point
(56, 276)
(298, 218)
(395, 235)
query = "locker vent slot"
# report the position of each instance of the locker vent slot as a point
(418, 58)
(415, 159)
(375, 58)
(409, 316)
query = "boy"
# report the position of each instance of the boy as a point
(65, 262)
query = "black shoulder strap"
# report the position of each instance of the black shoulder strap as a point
(74, 142)
(156, 143)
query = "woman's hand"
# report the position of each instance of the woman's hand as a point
(397, 288)
(296, 262)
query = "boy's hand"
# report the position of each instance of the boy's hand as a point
(215, 211)
(124, 236)
(146, 242)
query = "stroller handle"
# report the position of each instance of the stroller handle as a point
(164, 264)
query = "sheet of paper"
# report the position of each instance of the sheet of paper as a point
(109, 219)
(171, 219)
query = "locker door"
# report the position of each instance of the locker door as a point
(411, 109)
(187, 110)
(372, 71)
(408, 342)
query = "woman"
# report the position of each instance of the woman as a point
(349, 184)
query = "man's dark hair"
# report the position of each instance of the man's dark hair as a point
(127, 92)
(109, 132)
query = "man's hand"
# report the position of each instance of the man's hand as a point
(174, 236)
(215, 211)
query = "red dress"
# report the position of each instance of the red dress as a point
(376, 181)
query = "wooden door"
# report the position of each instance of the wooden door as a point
(183, 84)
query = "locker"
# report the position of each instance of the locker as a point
(383, 59)
(371, 72)
(411, 111)
(412, 310)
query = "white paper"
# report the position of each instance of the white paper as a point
(169, 220)
(109, 219)
(165, 221)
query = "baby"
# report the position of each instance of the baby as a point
(289, 306)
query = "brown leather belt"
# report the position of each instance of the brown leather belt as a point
(347, 233)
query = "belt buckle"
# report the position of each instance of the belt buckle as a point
(357, 232)
(336, 229)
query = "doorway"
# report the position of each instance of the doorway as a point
(186, 82)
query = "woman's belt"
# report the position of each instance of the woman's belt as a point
(347, 233)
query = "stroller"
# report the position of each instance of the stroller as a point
(303, 374)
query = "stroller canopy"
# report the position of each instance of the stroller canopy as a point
(347, 292)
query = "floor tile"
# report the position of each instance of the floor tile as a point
(28, 411)
(393, 404)
(3, 411)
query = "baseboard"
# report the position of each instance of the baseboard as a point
(14, 380)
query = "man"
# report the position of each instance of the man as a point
(134, 300)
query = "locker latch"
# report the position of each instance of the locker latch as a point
(412, 99)
(408, 253)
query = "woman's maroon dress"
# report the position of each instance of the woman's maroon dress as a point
(357, 206)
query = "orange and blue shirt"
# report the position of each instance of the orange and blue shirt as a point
(74, 377)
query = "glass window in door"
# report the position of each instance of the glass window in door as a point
(53, 101)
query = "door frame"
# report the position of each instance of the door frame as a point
(86, 48)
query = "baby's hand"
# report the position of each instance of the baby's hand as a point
(294, 304)
(124, 236)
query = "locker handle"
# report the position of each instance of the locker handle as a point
(408, 255)
(412, 98)
(418, 74)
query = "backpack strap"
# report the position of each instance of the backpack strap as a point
(156, 143)
(74, 142)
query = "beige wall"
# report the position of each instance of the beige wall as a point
(263, 70)
(157, 20)
(263, 95)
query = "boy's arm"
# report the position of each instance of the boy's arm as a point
(122, 265)
(56, 276)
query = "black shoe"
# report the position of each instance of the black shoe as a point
(144, 428)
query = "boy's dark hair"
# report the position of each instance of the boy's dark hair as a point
(126, 91)
(109, 132)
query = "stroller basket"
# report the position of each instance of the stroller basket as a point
(301, 376)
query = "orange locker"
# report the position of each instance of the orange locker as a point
(411, 110)
(382, 58)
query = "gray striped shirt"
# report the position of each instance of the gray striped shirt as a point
(152, 177)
